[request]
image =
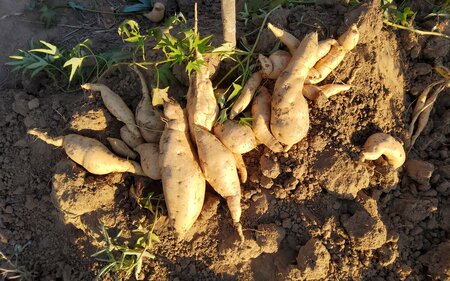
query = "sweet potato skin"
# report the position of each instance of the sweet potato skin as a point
(202, 107)
(289, 110)
(219, 168)
(129, 138)
(261, 120)
(246, 95)
(237, 138)
(116, 106)
(121, 148)
(182, 179)
(148, 118)
(149, 153)
(95, 157)
(380, 144)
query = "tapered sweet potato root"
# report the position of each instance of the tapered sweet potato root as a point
(90, 153)
(182, 178)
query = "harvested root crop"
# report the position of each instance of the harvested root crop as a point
(115, 105)
(241, 168)
(202, 105)
(272, 66)
(325, 47)
(347, 41)
(312, 92)
(130, 139)
(289, 121)
(149, 153)
(261, 120)
(246, 95)
(423, 108)
(90, 153)
(148, 118)
(237, 138)
(219, 167)
(121, 148)
(383, 145)
(182, 178)
(157, 13)
(288, 39)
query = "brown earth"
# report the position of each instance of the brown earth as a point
(312, 213)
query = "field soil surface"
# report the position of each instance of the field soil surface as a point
(313, 213)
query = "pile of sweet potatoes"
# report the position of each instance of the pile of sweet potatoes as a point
(187, 148)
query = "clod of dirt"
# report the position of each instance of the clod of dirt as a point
(259, 206)
(20, 107)
(437, 261)
(438, 46)
(445, 214)
(73, 197)
(237, 252)
(265, 182)
(340, 175)
(419, 170)
(269, 237)
(365, 232)
(93, 120)
(420, 69)
(33, 104)
(313, 260)
(209, 206)
(415, 209)
(269, 167)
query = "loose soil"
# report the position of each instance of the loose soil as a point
(313, 213)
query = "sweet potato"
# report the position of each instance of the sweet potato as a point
(381, 144)
(149, 153)
(148, 118)
(182, 179)
(202, 105)
(219, 167)
(424, 111)
(121, 148)
(272, 66)
(325, 47)
(115, 105)
(246, 95)
(288, 39)
(157, 13)
(312, 92)
(289, 121)
(130, 139)
(261, 120)
(347, 41)
(241, 168)
(237, 138)
(90, 153)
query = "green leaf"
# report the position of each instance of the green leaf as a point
(37, 70)
(194, 65)
(52, 49)
(47, 16)
(75, 63)
(36, 64)
(154, 237)
(165, 76)
(17, 57)
(223, 116)
(236, 90)
(245, 121)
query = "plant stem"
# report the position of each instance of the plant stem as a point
(420, 32)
